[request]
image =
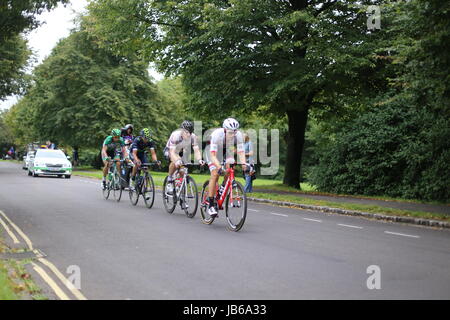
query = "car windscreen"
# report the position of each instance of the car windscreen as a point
(54, 155)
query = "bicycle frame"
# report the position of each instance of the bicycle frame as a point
(227, 189)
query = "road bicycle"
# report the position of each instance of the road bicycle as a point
(114, 181)
(144, 185)
(232, 199)
(182, 189)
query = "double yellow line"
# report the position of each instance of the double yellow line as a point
(44, 275)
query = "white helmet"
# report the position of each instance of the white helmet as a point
(230, 124)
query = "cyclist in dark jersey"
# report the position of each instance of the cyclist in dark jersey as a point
(138, 148)
(113, 148)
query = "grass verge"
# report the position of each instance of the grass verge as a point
(352, 206)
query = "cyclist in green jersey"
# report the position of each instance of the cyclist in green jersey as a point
(113, 148)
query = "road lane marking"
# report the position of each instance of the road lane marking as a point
(349, 226)
(279, 214)
(314, 220)
(61, 295)
(8, 230)
(401, 234)
(23, 235)
(63, 279)
(253, 210)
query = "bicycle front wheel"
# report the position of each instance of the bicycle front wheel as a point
(190, 197)
(148, 190)
(236, 207)
(169, 196)
(134, 192)
(206, 218)
(107, 189)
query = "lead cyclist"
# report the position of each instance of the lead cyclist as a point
(223, 139)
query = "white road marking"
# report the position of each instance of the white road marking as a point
(312, 220)
(279, 214)
(349, 226)
(253, 210)
(401, 234)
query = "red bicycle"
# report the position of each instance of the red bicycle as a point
(233, 199)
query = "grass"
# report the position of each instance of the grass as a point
(352, 206)
(15, 281)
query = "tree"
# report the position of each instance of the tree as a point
(80, 92)
(17, 16)
(290, 56)
(13, 60)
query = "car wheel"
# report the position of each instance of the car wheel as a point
(35, 174)
(67, 176)
(29, 172)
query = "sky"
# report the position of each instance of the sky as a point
(57, 24)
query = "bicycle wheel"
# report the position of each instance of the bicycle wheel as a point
(236, 211)
(107, 190)
(116, 186)
(148, 190)
(206, 218)
(134, 193)
(169, 200)
(189, 196)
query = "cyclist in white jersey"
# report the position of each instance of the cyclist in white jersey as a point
(223, 139)
(181, 140)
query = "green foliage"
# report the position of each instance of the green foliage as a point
(13, 60)
(82, 91)
(396, 149)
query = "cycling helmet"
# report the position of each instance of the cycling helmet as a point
(115, 132)
(145, 133)
(230, 124)
(128, 126)
(188, 125)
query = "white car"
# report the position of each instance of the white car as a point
(50, 162)
(27, 160)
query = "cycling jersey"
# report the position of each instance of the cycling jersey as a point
(217, 141)
(111, 144)
(139, 144)
(178, 142)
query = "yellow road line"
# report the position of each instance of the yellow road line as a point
(63, 279)
(23, 235)
(11, 234)
(61, 295)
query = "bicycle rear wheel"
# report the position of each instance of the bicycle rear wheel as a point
(236, 210)
(148, 190)
(169, 200)
(189, 195)
(206, 218)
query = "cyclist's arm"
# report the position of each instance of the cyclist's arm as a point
(214, 160)
(197, 153)
(153, 152)
(104, 153)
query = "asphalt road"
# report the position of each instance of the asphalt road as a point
(127, 252)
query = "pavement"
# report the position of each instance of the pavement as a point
(120, 251)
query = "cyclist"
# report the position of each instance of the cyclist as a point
(127, 134)
(181, 139)
(223, 139)
(113, 148)
(139, 146)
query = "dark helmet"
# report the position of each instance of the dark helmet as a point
(188, 125)
(128, 126)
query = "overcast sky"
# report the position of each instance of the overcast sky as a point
(57, 25)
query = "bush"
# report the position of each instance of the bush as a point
(395, 150)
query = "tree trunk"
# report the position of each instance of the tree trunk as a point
(297, 120)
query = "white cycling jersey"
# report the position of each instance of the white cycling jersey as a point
(179, 143)
(218, 143)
